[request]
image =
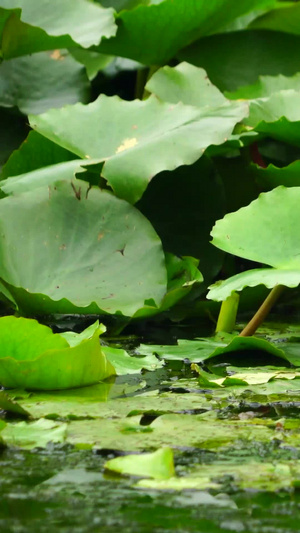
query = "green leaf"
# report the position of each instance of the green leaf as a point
(46, 176)
(161, 40)
(34, 153)
(9, 406)
(245, 376)
(156, 465)
(136, 140)
(92, 61)
(232, 60)
(187, 84)
(265, 86)
(124, 363)
(266, 231)
(61, 24)
(13, 130)
(35, 434)
(273, 176)
(183, 275)
(33, 357)
(205, 348)
(277, 116)
(88, 252)
(285, 19)
(39, 82)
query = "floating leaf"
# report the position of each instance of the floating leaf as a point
(33, 357)
(34, 434)
(266, 231)
(156, 465)
(125, 364)
(39, 82)
(138, 139)
(202, 349)
(245, 376)
(85, 252)
(61, 24)
(150, 25)
(10, 406)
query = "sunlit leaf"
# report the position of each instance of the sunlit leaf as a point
(33, 357)
(156, 465)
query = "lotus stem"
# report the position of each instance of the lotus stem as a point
(263, 311)
(228, 312)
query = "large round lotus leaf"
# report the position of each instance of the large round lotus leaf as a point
(266, 231)
(33, 357)
(66, 247)
(152, 34)
(137, 140)
(55, 24)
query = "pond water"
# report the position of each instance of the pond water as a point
(236, 453)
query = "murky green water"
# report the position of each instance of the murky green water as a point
(239, 447)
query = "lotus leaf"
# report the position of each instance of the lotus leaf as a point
(266, 231)
(59, 24)
(189, 22)
(36, 83)
(156, 465)
(137, 140)
(238, 58)
(79, 250)
(33, 357)
(34, 434)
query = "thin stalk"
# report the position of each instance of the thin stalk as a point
(227, 314)
(263, 311)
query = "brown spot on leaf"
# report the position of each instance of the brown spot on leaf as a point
(100, 236)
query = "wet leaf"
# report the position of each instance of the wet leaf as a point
(34, 434)
(156, 465)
